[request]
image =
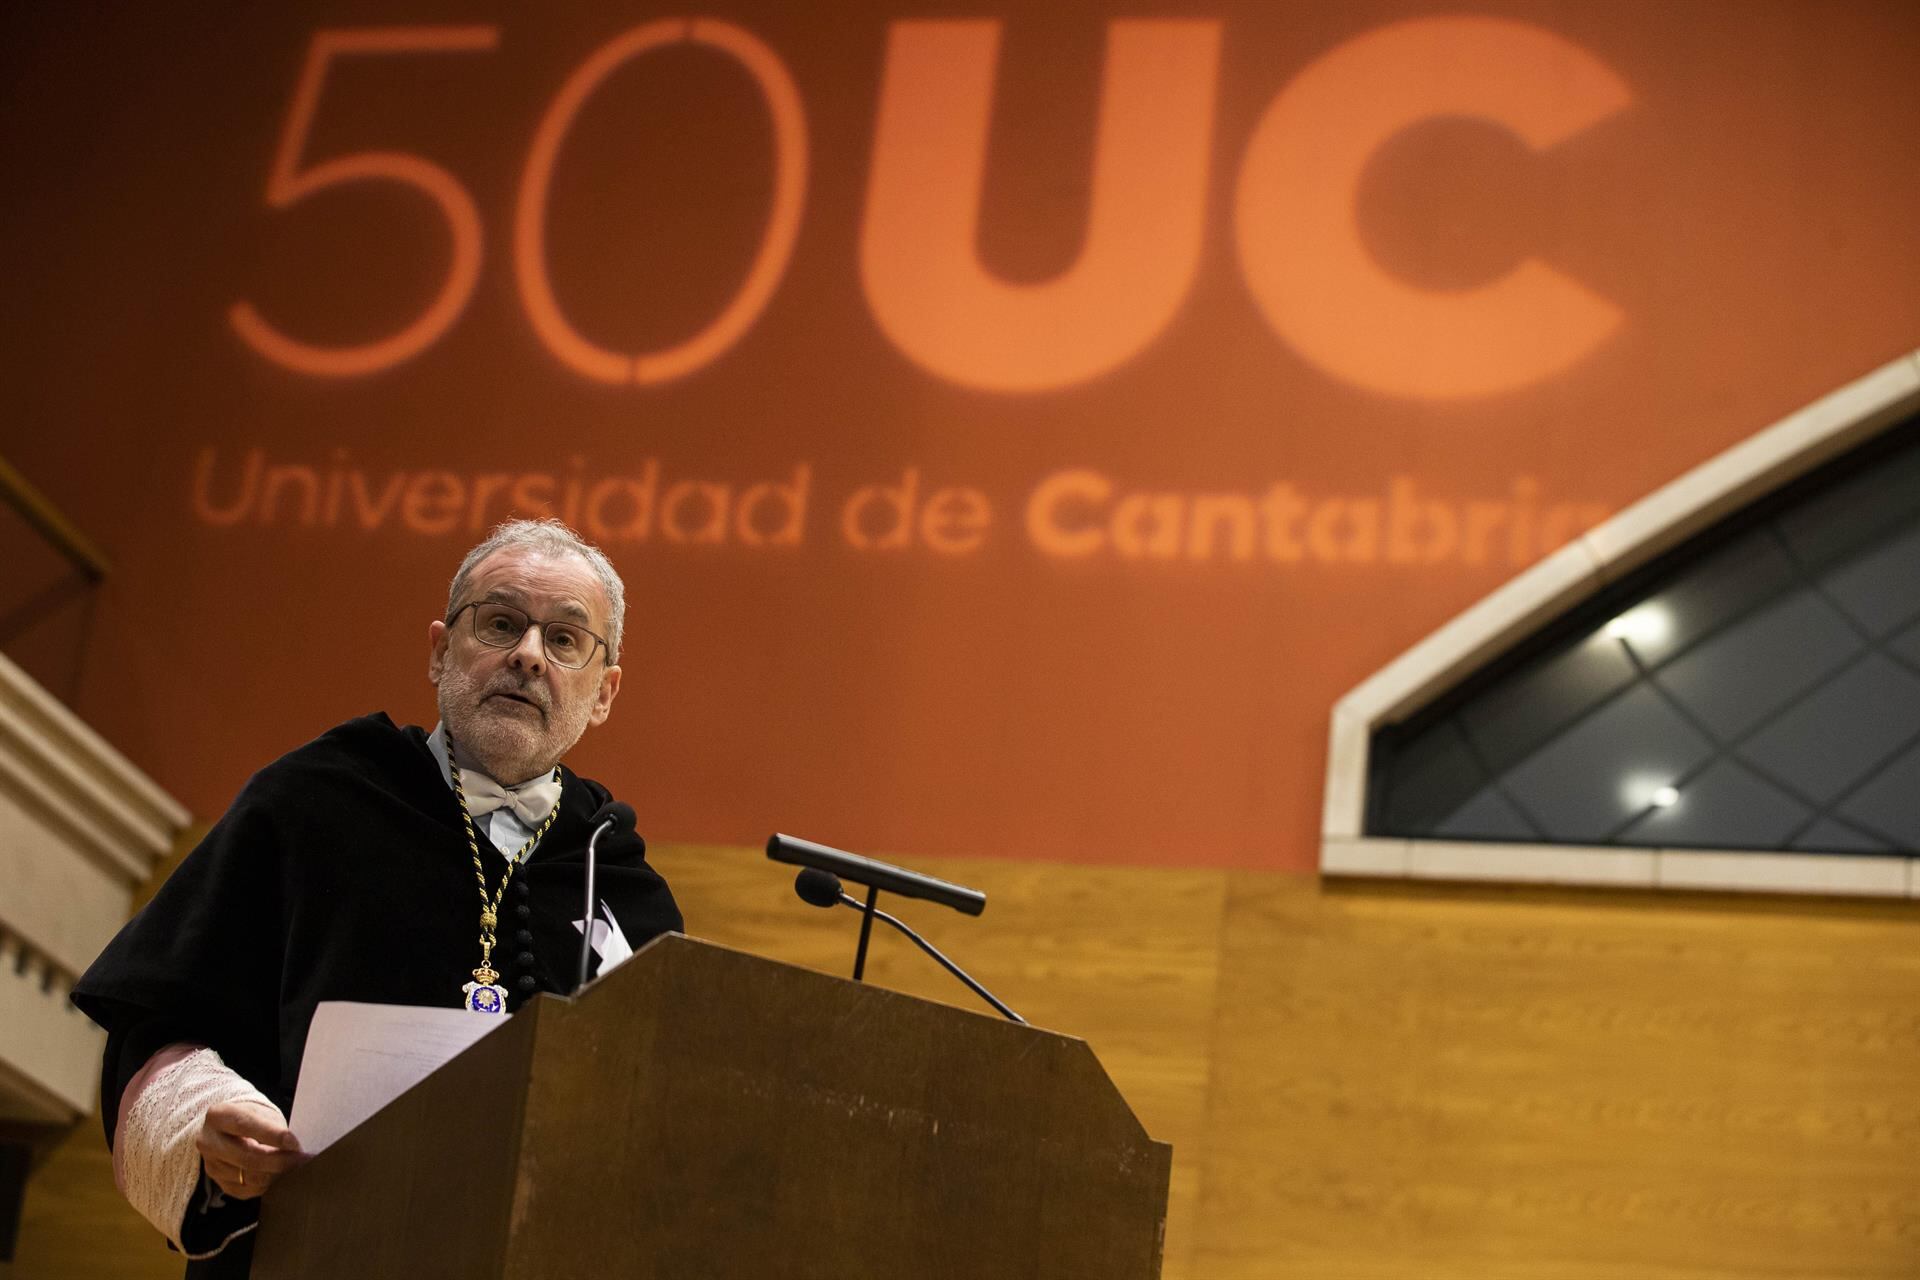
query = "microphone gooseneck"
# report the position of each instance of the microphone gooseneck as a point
(820, 888)
(611, 816)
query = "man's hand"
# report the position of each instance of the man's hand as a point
(246, 1145)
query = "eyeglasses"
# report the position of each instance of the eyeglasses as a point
(500, 626)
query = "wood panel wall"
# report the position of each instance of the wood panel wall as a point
(1393, 1083)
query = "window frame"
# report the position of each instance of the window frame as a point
(1595, 563)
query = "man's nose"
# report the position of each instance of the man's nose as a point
(530, 653)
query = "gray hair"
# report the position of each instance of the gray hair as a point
(549, 537)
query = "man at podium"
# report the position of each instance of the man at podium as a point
(376, 863)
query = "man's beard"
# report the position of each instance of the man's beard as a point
(505, 740)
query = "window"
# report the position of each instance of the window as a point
(1718, 688)
(1758, 689)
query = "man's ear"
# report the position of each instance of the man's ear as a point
(603, 700)
(437, 637)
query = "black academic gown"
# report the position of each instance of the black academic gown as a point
(342, 872)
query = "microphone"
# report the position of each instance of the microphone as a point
(875, 875)
(822, 889)
(817, 888)
(610, 817)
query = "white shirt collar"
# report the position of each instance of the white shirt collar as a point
(503, 827)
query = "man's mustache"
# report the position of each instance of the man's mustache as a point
(526, 690)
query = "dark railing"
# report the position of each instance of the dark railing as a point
(45, 628)
(48, 521)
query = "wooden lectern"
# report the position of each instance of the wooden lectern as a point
(706, 1113)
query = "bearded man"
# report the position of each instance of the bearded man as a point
(381, 864)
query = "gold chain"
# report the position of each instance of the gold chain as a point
(490, 911)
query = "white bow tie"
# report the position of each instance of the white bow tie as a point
(531, 802)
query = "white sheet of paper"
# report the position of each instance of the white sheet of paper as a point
(609, 943)
(360, 1057)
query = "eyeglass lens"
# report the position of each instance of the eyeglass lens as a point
(502, 625)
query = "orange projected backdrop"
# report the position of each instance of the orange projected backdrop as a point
(1016, 427)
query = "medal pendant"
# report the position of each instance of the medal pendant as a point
(485, 997)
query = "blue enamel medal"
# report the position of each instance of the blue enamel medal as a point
(487, 996)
